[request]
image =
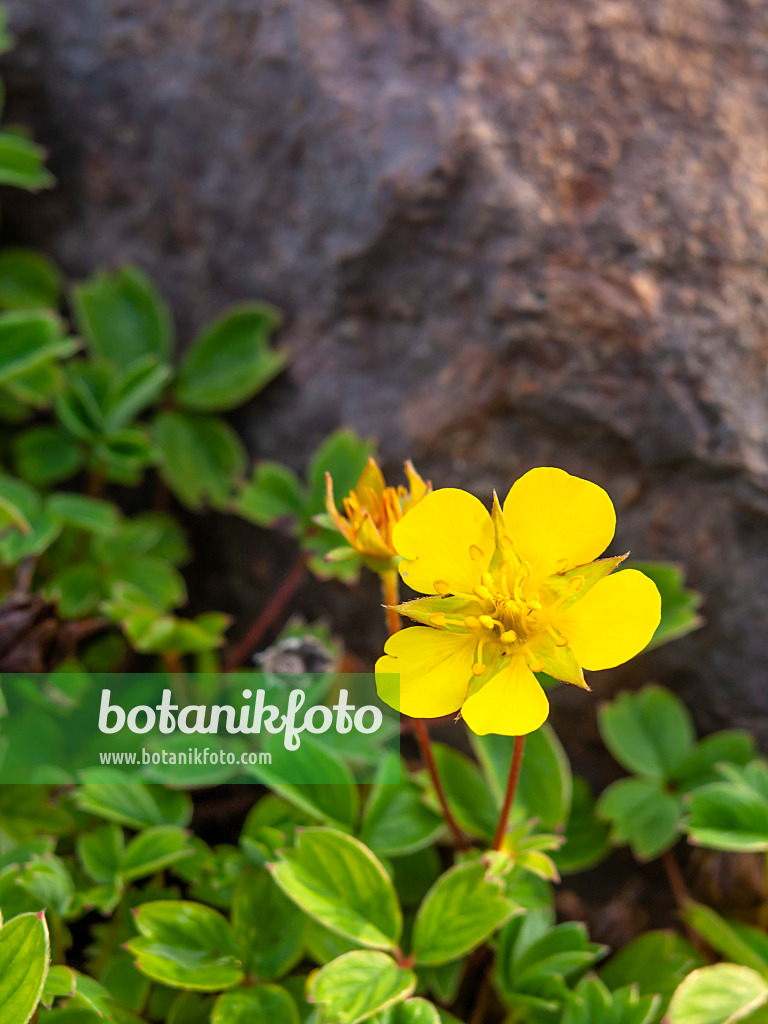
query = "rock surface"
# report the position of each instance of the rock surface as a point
(504, 235)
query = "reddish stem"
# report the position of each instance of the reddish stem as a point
(425, 746)
(509, 796)
(276, 605)
(675, 878)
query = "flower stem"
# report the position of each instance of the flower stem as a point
(675, 878)
(509, 796)
(390, 588)
(277, 603)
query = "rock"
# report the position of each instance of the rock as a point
(504, 235)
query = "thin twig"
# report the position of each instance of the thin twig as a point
(509, 796)
(276, 605)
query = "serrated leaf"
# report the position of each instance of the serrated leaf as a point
(649, 732)
(24, 952)
(230, 361)
(123, 317)
(201, 458)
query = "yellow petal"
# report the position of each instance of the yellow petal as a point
(435, 538)
(434, 670)
(339, 521)
(370, 484)
(558, 521)
(613, 621)
(416, 486)
(512, 703)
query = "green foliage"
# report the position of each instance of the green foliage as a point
(337, 903)
(357, 985)
(276, 497)
(651, 734)
(24, 955)
(717, 995)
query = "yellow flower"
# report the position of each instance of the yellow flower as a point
(518, 592)
(371, 512)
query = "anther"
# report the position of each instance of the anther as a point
(475, 552)
(537, 665)
(441, 587)
(577, 583)
(483, 593)
(562, 565)
(438, 619)
(487, 621)
(505, 541)
(471, 622)
(478, 669)
(561, 642)
(509, 636)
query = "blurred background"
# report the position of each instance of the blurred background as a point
(503, 235)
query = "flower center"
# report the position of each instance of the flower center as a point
(510, 610)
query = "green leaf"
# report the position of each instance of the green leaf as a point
(230, 361)
(544, 789)
(586, 836)
(344, 455)
(459, 912)
(396, 821)
(679, 606)
(28, 339)
(724, 816)
(273, 496)
(724, 937)
(22, 163)
(84, 512)
(186, 945)
(154, 849)
(412, 1011)
(470, 799)
(656, 962)
(49, 881)
(340, 883)
(28, 280)
(335, 802)
(77, 589)
(160, 585)
(24, 954)
(45, 455)
(700, 766)
(268, 926)
(592, 1001)
(201, 458)
(719, 994)
(357, 985)
(123, 317)
(101, 852)
(649, 732)
(137, 806)
(260, 1004)
(132, 391)
(536, 960)
(642, 814)
(61, 981)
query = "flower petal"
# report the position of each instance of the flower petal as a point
(512, 703)
(425, 672)
(554, 518)
(614, 621)
(435, 538)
